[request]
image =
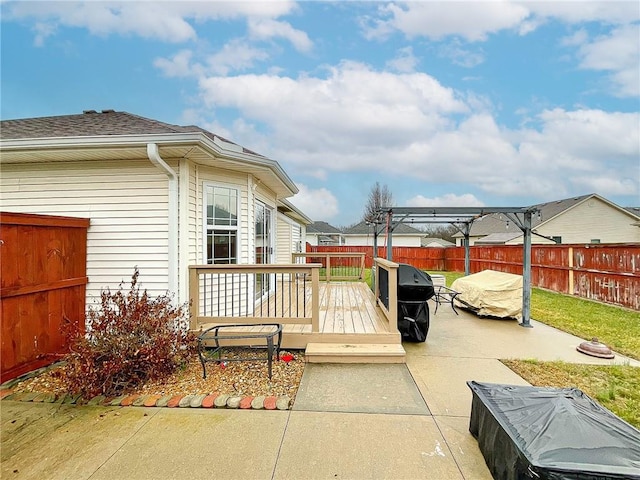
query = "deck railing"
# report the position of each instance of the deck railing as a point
(336, 266)
(386, 290)
(246, 294)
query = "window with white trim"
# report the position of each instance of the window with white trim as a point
(221, 224)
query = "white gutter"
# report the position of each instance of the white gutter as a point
(154, 157)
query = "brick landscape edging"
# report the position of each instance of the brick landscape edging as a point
(215, 400)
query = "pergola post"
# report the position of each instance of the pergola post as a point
(526, 271)
(467, 251)
(389, 237)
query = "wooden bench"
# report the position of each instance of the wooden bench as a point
(271, 335)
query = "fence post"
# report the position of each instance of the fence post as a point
(570, 292)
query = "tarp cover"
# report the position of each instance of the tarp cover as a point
(551, 433)
(490, 293)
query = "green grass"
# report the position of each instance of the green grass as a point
(617, 327)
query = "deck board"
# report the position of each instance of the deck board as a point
(347, 309)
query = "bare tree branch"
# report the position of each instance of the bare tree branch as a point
(379, 196)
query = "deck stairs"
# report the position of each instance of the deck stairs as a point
(354, 353)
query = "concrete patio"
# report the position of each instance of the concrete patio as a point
(349, 421)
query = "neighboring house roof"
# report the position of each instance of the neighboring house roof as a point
(323, 227)
(497, 223)
(124, 136)
(363, 229)
(432, 241)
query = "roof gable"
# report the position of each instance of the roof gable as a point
(322, 227)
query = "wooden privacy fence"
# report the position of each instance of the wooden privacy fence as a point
(603, 272)
(42, 288)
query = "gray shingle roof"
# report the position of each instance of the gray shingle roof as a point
(363, 229)
(322, 227)
(92, 123)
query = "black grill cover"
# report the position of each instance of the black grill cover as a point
(415, 287)
(414, 284)
(551, 433)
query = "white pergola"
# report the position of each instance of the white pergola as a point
(462, 218)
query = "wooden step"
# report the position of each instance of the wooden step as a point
(354, 353)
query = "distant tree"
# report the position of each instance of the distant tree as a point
(445, 232)
(379, 196)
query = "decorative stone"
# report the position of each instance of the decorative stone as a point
(29, 396)
(207, 402)
(234, 402)
(174, 401)
(186, 401)
(245, 403)
(221, 401)
(49, 398)
(5, 393)
(196, 401)
(151, 400)
(258, 403)
(283, 402)
(163, 401)
(96, 400)
(128, 400)
(139, 402)
(116, 401)
(270, 403)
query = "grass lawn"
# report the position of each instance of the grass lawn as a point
(616, 387)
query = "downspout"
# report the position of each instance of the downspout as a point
(154, 157)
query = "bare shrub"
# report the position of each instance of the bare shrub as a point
(131, 338)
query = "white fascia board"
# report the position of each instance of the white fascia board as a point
(220, 148)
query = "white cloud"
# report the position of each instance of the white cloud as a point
(404, 62)
(447, 200)
(475, 21)
(237, 55)
(619, 53)
(459, 55)
(319, 204)
(166, 21)
(266, 29)
(470, 20)
(356, 119)
(179, 65)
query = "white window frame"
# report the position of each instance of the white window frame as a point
(206, 228)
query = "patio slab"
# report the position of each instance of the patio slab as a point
(364, 446)
(43, 440)
(201, 443)
(364, 388)
(442, 380)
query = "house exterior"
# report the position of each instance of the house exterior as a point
(361, 234)
(585, 219)
(322, 233)
(159, 197)
(432, 242)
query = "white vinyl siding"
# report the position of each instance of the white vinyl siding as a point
(592, 218)
(288, 238)
(127, 203)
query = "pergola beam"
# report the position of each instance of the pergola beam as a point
(462, 218)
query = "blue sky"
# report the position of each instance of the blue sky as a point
(447, 103)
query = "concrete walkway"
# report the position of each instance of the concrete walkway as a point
(348, 422)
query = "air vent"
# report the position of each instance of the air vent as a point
(89, 111)
(110, 110)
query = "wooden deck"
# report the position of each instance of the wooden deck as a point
(332, 320)
(348, 315)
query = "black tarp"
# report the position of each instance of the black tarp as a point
(551, 434)
(415, 287)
